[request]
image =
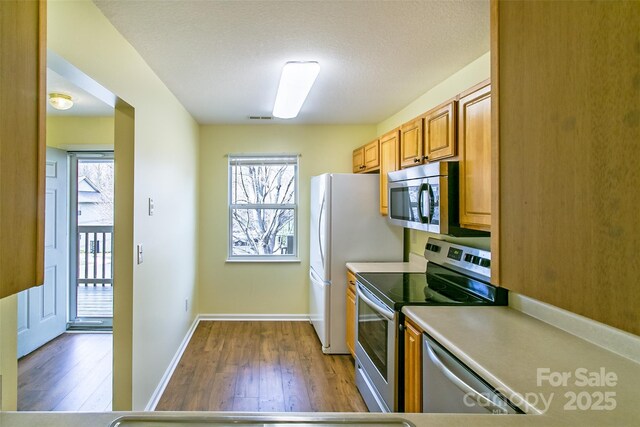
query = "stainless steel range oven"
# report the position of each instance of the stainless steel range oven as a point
(456, 275)
(376, 351)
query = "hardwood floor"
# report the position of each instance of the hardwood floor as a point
(70, 373)
(260, 366)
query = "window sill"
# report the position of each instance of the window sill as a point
(265, 260)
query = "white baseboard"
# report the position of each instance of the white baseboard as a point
(256, 317)
(164, 381)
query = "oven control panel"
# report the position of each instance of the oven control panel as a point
(473, 260)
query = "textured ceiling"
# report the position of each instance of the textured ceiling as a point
(222, 59)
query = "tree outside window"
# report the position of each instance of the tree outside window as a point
(263, 207)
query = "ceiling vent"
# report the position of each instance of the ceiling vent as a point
(260, 117)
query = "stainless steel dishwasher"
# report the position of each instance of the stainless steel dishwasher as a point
(450, 386)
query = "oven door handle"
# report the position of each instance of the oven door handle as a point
(389, 314)
(482, 400)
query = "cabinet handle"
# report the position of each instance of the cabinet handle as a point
(416, 160)
(425, 158)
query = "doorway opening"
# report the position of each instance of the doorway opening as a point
(60, 369)
(91, 244)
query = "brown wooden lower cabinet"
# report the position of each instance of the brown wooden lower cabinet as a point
(412, 367)
(351, 312)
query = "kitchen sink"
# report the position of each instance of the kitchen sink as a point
(266, 421)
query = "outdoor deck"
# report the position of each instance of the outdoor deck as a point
(95, 301)
(95, 271)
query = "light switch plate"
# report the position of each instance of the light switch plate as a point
(139, 252)
(151, 206)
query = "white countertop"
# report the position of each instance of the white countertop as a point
(416, 264)
(65, 419)
(507, 348)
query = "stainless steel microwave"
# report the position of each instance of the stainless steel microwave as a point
(426, 198)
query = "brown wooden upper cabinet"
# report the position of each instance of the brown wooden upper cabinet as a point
(440, 132)
(358, 160)
(367, 157)
(22, 144)
(411, 143)
(389, 162)
(474, 139)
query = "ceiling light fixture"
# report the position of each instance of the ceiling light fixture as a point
(60, 101)
(295, 84)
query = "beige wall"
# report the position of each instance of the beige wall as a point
(73, 133)
(474, 73)
(262, 288)
(166, 147)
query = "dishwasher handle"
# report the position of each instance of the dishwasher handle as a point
(482, 400)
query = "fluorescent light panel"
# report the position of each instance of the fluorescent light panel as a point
(295, 84)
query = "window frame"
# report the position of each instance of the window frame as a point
(264, 158)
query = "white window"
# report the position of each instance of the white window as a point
(263, 207)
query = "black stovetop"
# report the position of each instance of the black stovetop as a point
(438, 286)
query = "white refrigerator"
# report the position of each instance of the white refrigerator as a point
(346, 226)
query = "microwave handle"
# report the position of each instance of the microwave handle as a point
(431, 201)
(423, 188)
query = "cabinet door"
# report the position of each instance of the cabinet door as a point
(412, 367)
(358, 160)
(351, 312)
(372, 156)
(389, 162)
(474, 138)
(22, 144)
(440, 132)
(411, 143)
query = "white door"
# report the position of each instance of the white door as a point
(42, 310)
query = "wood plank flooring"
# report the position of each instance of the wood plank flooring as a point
(70, 373)
(262, 367)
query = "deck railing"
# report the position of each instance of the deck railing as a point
(94, 255)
